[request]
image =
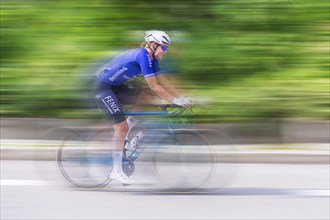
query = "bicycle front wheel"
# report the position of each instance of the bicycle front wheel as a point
(84, 159)
(184, 161)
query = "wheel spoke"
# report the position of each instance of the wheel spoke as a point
(84, 160)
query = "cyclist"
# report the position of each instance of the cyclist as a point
(113, 88)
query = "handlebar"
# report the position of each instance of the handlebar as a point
(166, 110)
(172, 109)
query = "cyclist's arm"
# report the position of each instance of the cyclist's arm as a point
(159, 89)
(163, 81)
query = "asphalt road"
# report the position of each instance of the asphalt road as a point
(34, 190)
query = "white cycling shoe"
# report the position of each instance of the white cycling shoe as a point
(122, 177)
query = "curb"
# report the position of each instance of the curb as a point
(297, 154)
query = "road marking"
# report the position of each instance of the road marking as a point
(314, 192)
(223, 192)
(249, 192)
(22, 183)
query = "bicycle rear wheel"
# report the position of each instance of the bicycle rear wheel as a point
(84, 159)
(184, 161)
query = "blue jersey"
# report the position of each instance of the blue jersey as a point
(128, 65)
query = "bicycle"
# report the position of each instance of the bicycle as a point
(183, 159)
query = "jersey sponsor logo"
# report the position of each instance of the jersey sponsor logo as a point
(111, 104)
(99, 72)
(149, 60)
(120, 71)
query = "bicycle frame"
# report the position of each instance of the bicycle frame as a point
(163, 113)
(137, 152)
(172, 151)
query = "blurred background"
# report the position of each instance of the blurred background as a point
(252, 60)
(260, 68)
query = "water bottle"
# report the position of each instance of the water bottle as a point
(131, 122)
(130, 147)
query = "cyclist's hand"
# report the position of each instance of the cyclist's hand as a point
(185, 102)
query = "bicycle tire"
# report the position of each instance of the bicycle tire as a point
(184, 161)
(84, 159)
(44, 154)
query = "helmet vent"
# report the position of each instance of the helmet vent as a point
(166, 40)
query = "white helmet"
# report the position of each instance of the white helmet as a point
(160, 37)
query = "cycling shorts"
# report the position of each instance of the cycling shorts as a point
(110, 99)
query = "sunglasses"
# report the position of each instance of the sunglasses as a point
(164, 48)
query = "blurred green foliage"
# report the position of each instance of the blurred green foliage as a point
(259, 59)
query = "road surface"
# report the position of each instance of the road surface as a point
(33, 190)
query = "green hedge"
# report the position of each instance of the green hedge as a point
(251, 59)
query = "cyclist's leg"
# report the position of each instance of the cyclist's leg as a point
(108, 102)
(120, 131)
